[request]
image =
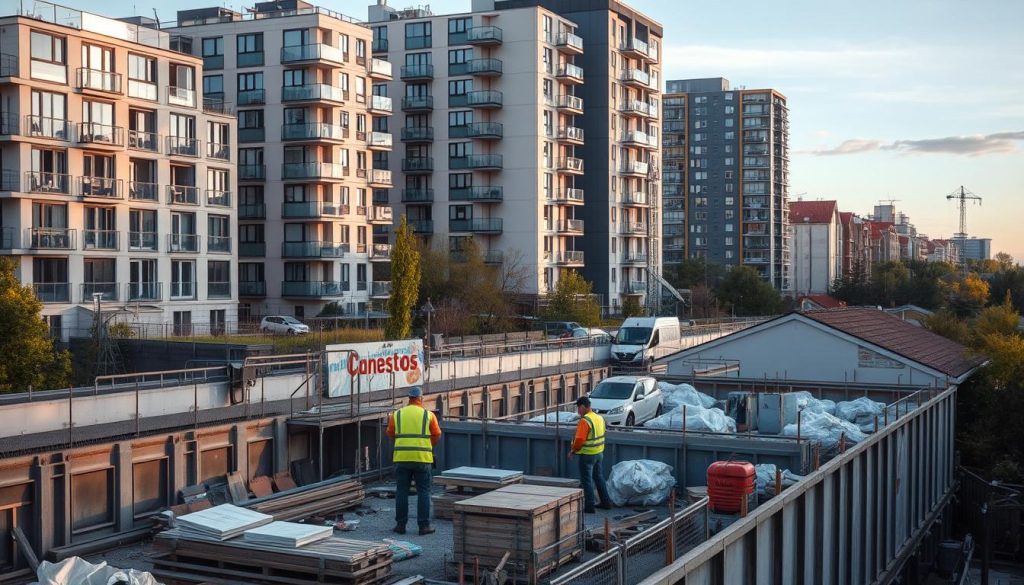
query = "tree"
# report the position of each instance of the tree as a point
(948, 325)
(967, 296)
(405, 283)
(747, 293)
(1004, 260)
(691, 272)
(572, 301)
(29, 356)
(631, 307)
(703, 303)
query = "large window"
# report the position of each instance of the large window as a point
(250, 89)
(218, 233)
(142, 280)
(250, 50)
(418, 35)
(213, 53)
(218, 279)
(181, 90)
(49, 115)
(142, 77)
(183, 279)
(142, 230)
(49, 57)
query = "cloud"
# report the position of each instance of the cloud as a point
(977, 145)
(838, 61)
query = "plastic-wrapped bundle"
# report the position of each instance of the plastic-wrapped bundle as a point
(697, 419)
(765, 481)
(677, 395)
(862, 412)
(826, 429)
(563, 418)
(806, 401)
(641, 482)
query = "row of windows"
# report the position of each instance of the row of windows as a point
(143, 278)
(252, 43)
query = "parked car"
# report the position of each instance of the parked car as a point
(641, 340)
(627, 400)
(283, 325)
(595, 334)
(561, 329)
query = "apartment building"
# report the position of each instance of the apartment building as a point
(499, 146)
(817, 246)
(117, 176)
(312, 153)
(726, 179)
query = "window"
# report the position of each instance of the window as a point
(142, 80)
(49, 115)
(457, 28)
(460, 87)
(49, 59)
(250, 50)
(213, 53)
(250, 126)
(218, 317)
(360, 49)
(418, 35)
(360, 89)
(250, 88)
(99, 176)
(218, 233)
(181, 85)
(361, 272)
(142, 280)
(213, 86)
(293, 78)
(296, 37)
(183, 232)
(183, 284)
(142, 230)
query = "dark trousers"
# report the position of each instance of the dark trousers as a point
(405, 474)
(591, 473)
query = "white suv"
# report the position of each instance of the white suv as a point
(283, 325)
(627, 400)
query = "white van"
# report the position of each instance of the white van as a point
(641, 340)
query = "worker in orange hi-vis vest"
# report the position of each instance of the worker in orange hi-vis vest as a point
(415, 431)
(588, 446)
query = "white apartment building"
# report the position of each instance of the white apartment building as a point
(496, 145)
(117, 178)
(312, 156)
(817, 244)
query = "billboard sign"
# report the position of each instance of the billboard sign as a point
(369, 367)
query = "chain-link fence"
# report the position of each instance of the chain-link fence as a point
(641, 556)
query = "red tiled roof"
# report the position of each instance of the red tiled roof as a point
(846, 217)
(814, 211)
(877, 227)
(824, 301)
(900, 337)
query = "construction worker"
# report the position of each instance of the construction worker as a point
(415, 431)
(588, 446)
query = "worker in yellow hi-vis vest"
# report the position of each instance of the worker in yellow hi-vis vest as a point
(415, 431)
(588, 446)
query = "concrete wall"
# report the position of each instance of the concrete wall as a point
(816, 256)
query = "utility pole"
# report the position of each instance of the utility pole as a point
(962, 197)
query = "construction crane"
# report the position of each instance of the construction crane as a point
(962, 197)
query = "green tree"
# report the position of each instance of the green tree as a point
(405, 283)
(631, 307)
(966, 296)
(25, 343)
(692, 272)
(854, 287)
(572, 301)
(945, 323)
(747, 293)
(1000, 319)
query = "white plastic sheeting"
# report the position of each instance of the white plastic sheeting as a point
(806, 401)
(765, 482)
(826, 429)
(698, 418)
(862, 412)
(676, 395)
(564, 418)
(78, 571)
(640, 482)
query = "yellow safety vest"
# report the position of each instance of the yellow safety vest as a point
(595, 438)
(412, 435)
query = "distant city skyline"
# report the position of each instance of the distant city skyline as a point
(903, 101)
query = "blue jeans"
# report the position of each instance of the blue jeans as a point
(405, 474)
(591, 473)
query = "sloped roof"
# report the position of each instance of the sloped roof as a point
(824, 301)
(814, 211)
(846, 217)
(893, 334)
(877, 227)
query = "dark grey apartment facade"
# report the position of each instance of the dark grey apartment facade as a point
(726, 177)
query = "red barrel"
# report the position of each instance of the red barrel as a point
(729, 483)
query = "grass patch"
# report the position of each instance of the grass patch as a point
(313, 341)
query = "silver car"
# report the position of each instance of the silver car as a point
(283, 325)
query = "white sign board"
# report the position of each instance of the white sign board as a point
(368, 367)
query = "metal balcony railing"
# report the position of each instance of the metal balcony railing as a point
(183, 195)
(183, 243)
(182, 146)
(44, 127)
(42, 182)
(100, 240)
(93, 133)
(48, 238)
(106, 187)
(140, 191)
(143, 241)
(138, 140)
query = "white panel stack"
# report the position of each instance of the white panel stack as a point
(222, 522)
(287, 534)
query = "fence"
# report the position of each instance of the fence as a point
(642, 555)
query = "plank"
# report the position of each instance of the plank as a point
(283, 481)
(25, 548)
(261, 486)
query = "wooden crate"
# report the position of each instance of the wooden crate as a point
(540, 526)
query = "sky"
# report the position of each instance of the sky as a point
(901, 100)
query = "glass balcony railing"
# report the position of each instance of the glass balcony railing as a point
(252, 172)
(476, 162)
(40, 238)
(41, 182)
(100, 239)
(482, 130)
(252, 211)
(43, 127)
(313, 92)
(418, 134)
(52, 292)
(484, 35)
(417, 103)
(492, 225)
(312, 52)
(107, 187)
(252, 249)
(138, 140)
(311, 131)
(570, 42)
(97, 80)
(218, 198)
(182, 195)
(218, 244)
(252, 97)
(570, 72)
(94, 133)
(183, 146)
(312, 288)
(417, 195)
(380, 103)
(143, 241)
(252, 288)
(183, 243)
(141, 191)
(313, 170)
(106, 290)
(145, 291)
(421, 164)
(181, 96)
(481, 194)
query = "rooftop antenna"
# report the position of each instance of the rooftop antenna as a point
(962, 197)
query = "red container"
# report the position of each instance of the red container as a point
(729, 484)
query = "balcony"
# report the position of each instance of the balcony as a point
(312, 288)
(418, 42)
(380, 253)
(634, 287)
(218, 290)
(569, 226)
(145, 291)
(638, 138)
(638, 49)
(568, 258)
(380, 178)
(380, 46)
(634, 168)
(40, 238)
(476, 67)
(635, 199)
(53, 183)
(418, 134)
(316, 92)
(52, 292)
(379, 141)
(634, 258)
(218, 198)
(379, 69)
(43, 127)
(478, 130)
(311, 131)
(252, 211)
(418, 103)
(147, 141)
(380, 105)
(418, 72)
(252, 172)
(215, 104)
(102, 187)
(490, 225)
(481, 194)
(181, 96)
(252, 97)
(635, 78)
(143, 242)
(634, 227)
(313, 249)
(568, 196)
(218, 244)
(570, 73)
(100, 240)
(313, 170)
(484, 36)
(218, 151)
(182, 195)
(639, 108)
(182, 146)
(421, 195)
(483, 99)
(380, 214)
(100, 134)
(570, 164)
(252, 288)
(106, 290)
(252, 249)
(569, 103)
(569, 43)
(183, 243)
(380, 289)
(476, 162)
(312, 52)
(96, 80)
(421, 226)
(418, 165)
(252, 134)
(570, 134)
(212, 62)
(139, 191)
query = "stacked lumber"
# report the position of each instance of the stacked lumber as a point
(188, 559)
(444, 504)
(619, 530)
(222, 522)
(541, 528)
(477, 479)
(564, 482)
(287, 534)
(319, 499)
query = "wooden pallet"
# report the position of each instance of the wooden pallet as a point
(319, 499)
(444, 504)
